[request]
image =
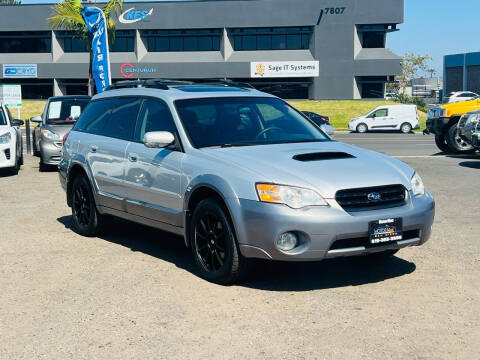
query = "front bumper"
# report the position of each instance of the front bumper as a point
(51, 151)
(7, 155)
(258, 225)
(437, 125)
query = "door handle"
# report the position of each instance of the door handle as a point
(93, 148)
(132, 157)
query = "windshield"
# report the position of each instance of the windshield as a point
(65, 111)
(243, 121)
(3, 120)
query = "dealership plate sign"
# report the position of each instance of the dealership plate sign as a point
(19, 70)
(280, 69)
(11, 95)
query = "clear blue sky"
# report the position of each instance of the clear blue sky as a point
(434, 27)
(438, 28)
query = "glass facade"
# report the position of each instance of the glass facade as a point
(124, 42)
(276, 38)
(182, 40)
(25, 42)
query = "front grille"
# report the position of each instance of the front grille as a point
(7, 154)
(378, 197)
(365, 241)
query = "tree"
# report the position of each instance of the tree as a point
(432, 72)
(411, 65)
(67, 16)
(10, 2)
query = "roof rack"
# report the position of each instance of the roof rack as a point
(164, 84)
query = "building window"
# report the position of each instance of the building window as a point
(276, 38)
(71, 42)
(182, 40)
(124, 42)
(25, 42)
(374, 36)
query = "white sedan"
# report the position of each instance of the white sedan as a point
(459, 96)
(11, 150)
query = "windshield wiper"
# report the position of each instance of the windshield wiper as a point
(238, 144)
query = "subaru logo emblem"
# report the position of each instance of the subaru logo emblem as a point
(374, 196)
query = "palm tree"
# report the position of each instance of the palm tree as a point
(67, 15)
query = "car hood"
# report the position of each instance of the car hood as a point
(325, 166)
(60, 130)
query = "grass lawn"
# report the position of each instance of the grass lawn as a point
(29, 109)
(339, 111)
(342, 111)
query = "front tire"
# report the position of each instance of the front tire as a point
(455, 143)
(406, 128)
(441, 143)
(86, 219)
(213, 243)
(362, 128)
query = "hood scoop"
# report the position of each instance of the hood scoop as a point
(329, 155)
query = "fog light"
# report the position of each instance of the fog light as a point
(287, 241)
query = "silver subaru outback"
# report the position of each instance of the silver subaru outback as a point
(239, 174)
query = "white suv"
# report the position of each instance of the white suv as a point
(11, 150)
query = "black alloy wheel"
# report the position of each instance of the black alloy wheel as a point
(213, 243)
(455, 142)
(86, 219)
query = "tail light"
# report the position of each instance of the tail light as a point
(65, 137)
(326, 119)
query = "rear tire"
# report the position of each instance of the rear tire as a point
(441, 143)
(86, 219)
(213, 243)
(41, 166)
(362, 128)
(406, 128)
(456, 144)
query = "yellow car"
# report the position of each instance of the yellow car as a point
(442, 121)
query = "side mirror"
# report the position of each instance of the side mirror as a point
(17, 122)
(158, 139)
(36, 119)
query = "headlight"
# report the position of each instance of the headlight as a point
(417, 185)
(5, 138)
(293, 197)
(50, 135)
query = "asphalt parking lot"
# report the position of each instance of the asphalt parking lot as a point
(134, 293)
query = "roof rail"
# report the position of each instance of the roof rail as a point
(163, 84)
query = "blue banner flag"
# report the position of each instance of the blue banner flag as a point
(97, 26)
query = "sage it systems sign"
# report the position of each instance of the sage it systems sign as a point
(282, 69)
(19, 70)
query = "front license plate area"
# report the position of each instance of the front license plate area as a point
(385, 231)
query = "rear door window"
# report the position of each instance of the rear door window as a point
(121, 122)
(95, 116)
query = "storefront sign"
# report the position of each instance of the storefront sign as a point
(281, 69)
(19, 70)
(132, 16)
(11, 95)
(128, 70)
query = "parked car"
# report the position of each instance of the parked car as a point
(11, 145)
(458, 96)
(59, 115)
(387, 117)
(468, 125)
(239, 174)
(322, 121)
(443, 120)
(390, 96)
